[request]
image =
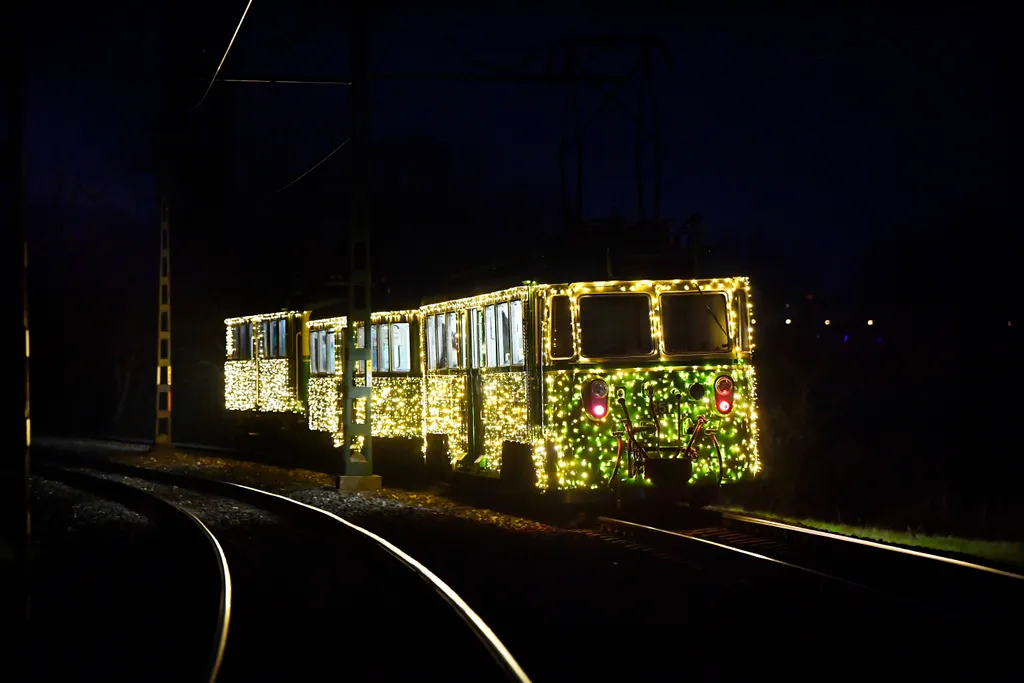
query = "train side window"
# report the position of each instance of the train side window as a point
(314, 353)
(453, 340)
(442, 342)
(490, 341)
(401, 348)
(360, 344)
(328, 346)
(474, 338)
(282, 340)
(245, 349)
(272, 338)
(516, 318)
(373, 348)
(464, 339)
(504, 353)
(236, 342)
(383, 339)
(431, 344)
(561, 327)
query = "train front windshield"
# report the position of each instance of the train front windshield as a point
(615, 325)
(694, 323)
(619, 325)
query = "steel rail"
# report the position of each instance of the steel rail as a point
(151, 505)
(611, 521)
(747, 519)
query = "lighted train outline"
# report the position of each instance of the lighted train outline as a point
(571, 388)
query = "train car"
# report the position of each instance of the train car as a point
(266, 368)
(609, 385)
(579, 389)
(397, 410)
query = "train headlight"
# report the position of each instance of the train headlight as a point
(724, 393)
(595, 398)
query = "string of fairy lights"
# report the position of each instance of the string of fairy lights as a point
(415, 404)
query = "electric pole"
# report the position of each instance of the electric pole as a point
(357, 448)
(162, 438)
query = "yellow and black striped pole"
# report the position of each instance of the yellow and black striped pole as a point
(162, 438)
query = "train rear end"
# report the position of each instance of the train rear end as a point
(660, 396)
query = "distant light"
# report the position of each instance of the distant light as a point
(879, 340)
(846, 338)
(787, 305)
(788, 321)
(828, 322)
(1009, 323)
(871, 322)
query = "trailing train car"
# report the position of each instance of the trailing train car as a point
(617, 386)
(266, 369)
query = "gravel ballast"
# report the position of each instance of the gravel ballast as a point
(107, 590)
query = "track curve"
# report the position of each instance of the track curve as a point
(156, 508)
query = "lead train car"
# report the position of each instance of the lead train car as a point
(509, 376)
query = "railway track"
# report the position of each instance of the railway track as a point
(317, 595)
(953, 590)
(190, 535)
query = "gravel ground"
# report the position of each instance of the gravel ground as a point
(571, 603)
(107, 600)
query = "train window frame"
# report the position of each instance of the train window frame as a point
(551, 327)
(383, 347)
(687, 354)
(241, 341)
(386, 356)
(323, 359)
(453, 341)
(476, 321)
(729, 333)
(503, 335)
(517, 339)
(314, 352)
(408, 337)
(274, 338)
(282, 338)
(490, 341)
(373, 348)
(441, 340)
(360, 342)
(431, 341)
(655, 343)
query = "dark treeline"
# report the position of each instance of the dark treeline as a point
(902, 423)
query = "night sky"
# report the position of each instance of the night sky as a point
(814, 134)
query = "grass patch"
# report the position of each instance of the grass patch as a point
(1000, 552)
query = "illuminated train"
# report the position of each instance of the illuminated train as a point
(621, 386)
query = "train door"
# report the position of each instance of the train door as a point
(473, 360)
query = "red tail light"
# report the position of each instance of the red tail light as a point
(724, 390)
(595, 398)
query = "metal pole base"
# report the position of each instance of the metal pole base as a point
(369, 482)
